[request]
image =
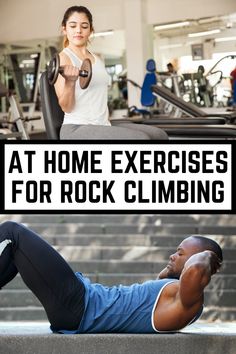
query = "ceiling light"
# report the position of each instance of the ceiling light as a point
(171, 25)
(27, 61)
(229, 24)
(208, 20)
(167, 46)
(33, 56)
(102, 34)
(206, 33)
(225, 39)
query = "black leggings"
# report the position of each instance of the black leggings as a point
(44, 271)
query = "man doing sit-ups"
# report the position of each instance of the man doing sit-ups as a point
(74, 305)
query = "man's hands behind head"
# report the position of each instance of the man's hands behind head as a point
(214, 262)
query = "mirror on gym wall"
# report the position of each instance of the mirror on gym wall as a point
(23, 71)
(203, 53)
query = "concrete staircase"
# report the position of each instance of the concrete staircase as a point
(114, 249)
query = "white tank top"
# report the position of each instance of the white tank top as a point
(91, 103)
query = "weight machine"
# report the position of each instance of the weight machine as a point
(16, 117)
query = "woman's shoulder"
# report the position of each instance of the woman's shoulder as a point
(64, 58)
(93, 55)
(98, 59)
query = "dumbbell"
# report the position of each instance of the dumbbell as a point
(54, 68)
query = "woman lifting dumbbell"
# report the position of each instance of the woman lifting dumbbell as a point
(81, 86)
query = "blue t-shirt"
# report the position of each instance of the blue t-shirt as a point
(120, 309)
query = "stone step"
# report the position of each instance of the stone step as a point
(132, 267)
(226, 282)
(91, 219)
(119, 266)
(128, 253)
(29, 313)
(157, 219)
(219, 313)
(131, 240)
(196, 339)
(113, 229)
(11, 298)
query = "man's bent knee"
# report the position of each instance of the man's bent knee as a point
(8, 226)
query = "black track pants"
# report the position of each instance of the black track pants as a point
(44, 271)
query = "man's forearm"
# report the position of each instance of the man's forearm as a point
(196, 275)
(206, 259)
(197, 267)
